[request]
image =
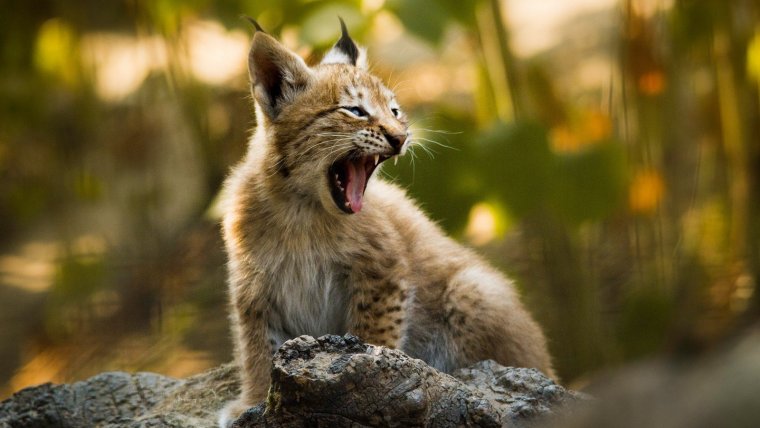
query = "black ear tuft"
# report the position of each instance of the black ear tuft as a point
(253, 22)
(346, 45)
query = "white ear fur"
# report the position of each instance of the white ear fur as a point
(336, 56)
(345, 51)
(361, 60)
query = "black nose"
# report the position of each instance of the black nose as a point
(396, 140)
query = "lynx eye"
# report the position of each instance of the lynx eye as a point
(356, 111)
(396, 112)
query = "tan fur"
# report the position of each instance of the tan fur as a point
(299, 265)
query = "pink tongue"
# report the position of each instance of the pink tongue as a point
(355, 186)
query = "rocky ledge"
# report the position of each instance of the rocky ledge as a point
(330, 381)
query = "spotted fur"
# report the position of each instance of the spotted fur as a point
(299, 265)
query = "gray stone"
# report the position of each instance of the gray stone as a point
(330, 381)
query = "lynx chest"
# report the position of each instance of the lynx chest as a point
(309, 296)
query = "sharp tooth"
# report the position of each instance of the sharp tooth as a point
(395, 160)
(377, 159)
(336, 177)
(347, 204)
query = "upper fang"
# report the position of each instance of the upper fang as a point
(377, 159)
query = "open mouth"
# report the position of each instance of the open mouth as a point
(348, 179)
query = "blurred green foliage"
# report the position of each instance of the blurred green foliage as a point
(628, 210)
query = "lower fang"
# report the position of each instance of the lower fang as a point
(347, 204)
(395, 160)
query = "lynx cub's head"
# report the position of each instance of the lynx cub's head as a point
(328, 127)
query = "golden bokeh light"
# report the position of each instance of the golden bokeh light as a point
(652, 83)
(481, 227)
(590, 128)
(646, 192)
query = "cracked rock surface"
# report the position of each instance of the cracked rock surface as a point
(330, 381)
(117, 399)
(342, 382)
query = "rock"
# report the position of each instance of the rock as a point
(118, 399)
(342, 382)
(718, 389)
(330, 381)
(517, 394)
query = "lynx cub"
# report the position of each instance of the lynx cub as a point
(317, 244)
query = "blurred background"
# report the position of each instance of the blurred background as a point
(604, 153)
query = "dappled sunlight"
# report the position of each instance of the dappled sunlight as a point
(369, 6)
(537, 24)
(430, 82)
(704, 231)
(61, 364)
(32, 268)
(648, 8)
(55, 51)
(743, 291)
(206, 50)
(215, 55)
(590, 128)
(183, 362)
(481, 228)
(487, 222)
(28, 274)
(415, 74)
(594, 73)
(753, 56)
(386, 28)
(122, 63)
(45, 366)
(426, 82)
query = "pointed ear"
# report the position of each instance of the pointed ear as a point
(277, 75)
(346, 51)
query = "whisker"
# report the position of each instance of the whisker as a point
(338, 146)
(427, 150)
(438, 131)
(276, 168)
(413, 160)
(438, 143)
(398, 86)
(325, 148)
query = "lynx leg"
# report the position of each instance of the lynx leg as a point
(253, 353)
(377, 313)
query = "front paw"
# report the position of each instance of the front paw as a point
(232, 411)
